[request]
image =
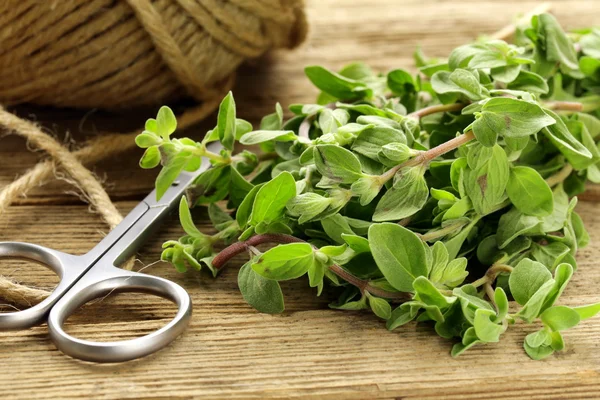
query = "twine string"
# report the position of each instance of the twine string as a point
(98, 149)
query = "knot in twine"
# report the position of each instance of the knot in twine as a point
(112, 54)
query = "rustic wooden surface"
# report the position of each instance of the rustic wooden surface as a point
(229, 350)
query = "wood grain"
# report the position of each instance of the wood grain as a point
(310, 351)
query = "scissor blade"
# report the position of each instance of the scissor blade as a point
(155, 210)
(150, 205)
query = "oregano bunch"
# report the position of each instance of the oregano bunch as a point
(432, 197)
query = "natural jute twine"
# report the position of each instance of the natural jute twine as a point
(110, 54)
(124, 53)
(98, 149)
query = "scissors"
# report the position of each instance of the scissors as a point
(93, 275)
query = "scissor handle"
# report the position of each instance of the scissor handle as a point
(66, 266)
(118, 280)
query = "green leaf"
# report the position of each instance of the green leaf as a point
(562, 275)
(367, 188)
(551, 254)
(530, 82)
(147, 139)
(399, 254)
(286, 261)
(357, 243)
(529, 192)
(513, 118)
(226, 121)
(486, 184)
(185, 217)
(244, 211)
(371, 141)
(538, 353)
(531, 310)
(335, 226)
(272, 198)
(166, 123)
(557, 220)
(554, 44)
(357, 70)
(400, 82)
(590, 43)
(242, 127)
(485, 327)
(469, 301)
(336, 85)
(337, 164)
(513, 224)
(273, 122)
(261, 293)
(238, 187)
(396, 152)
(501, 303)
(430, 295)
(542, 337)
(588, 311)
(577, 154)
(444, 273)
(307, 206)
(151, 158)
(400, 316)
(582, 236)
(560, 318)
(526, 278)
(261, 136)
(169, 174)
(380, 307)
(458, 82)
(219, 218)
(406, 197)
(352, 305)
(316, 272)
(469, 340)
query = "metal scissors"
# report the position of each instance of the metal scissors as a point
(93, 275)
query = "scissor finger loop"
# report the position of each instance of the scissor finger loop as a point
(66, 266)
(120, 281)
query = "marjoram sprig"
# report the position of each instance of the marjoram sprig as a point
(443, 193)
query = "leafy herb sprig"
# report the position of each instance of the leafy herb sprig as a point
(441, 193)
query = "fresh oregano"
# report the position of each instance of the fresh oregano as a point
(400, 188)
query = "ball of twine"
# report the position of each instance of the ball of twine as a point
(126, 53)
(122, 53)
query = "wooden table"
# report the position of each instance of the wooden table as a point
(231, 351)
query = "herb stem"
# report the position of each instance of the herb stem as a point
(560, 176)
(240, 247)
(489, 291)
(442, 232)
(491, 274)
(437, 109)
(426, 156)
(215, 157)
(268, 156)
(564, 106)
(304, 128)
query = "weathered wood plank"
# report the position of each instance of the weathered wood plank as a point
(229, 350)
